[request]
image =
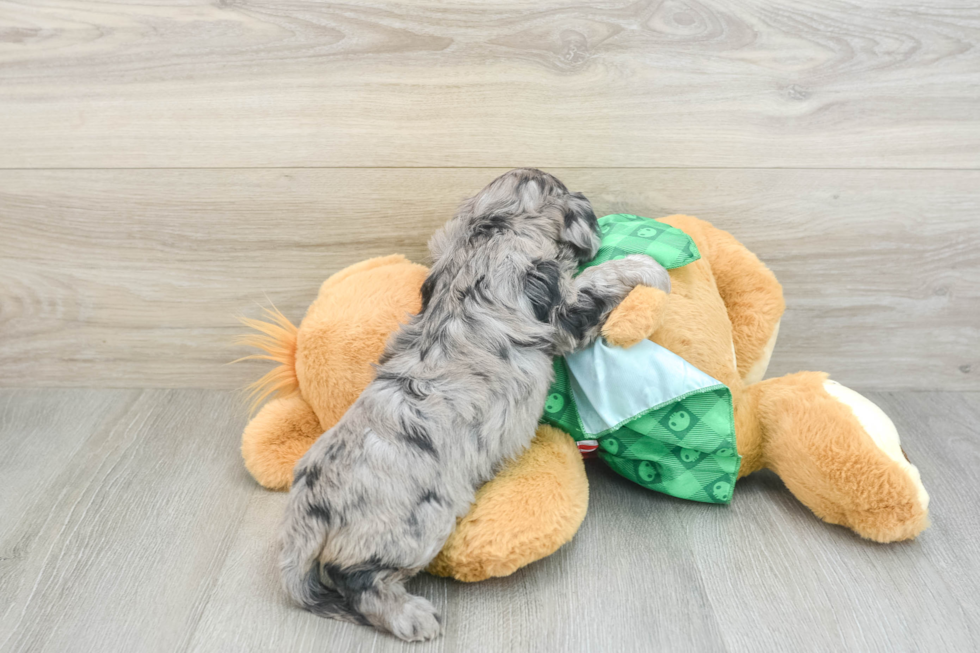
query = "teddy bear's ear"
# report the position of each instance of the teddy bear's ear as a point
(581, 229)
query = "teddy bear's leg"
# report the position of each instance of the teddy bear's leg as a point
(753, 297)
(839, 454)
(525, 513)
(276, 438)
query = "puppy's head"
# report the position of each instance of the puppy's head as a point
(535, 194)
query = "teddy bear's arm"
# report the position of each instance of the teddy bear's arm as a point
(636, 318)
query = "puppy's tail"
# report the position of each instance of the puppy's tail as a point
(276, 336)
(302, 581)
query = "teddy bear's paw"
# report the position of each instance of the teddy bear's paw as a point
(636, 318)
(278, 436)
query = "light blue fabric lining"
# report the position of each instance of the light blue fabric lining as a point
(612, 385)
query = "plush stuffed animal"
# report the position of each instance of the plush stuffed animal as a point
(835, 450)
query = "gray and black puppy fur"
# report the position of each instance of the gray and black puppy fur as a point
(458, 391)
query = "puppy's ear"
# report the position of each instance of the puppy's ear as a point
(427, 287)
(580, 229)
(543, 287)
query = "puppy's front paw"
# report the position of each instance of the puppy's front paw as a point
(645, 271)
(636, 318)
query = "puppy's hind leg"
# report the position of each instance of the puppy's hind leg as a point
(379, 595)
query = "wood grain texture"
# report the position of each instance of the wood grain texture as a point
(775, 83)
(118, 546)
(129, 524)
(133, 278)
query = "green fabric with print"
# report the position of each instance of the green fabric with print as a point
(675, 434)
(624, 234)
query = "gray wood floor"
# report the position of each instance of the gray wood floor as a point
(129, 524)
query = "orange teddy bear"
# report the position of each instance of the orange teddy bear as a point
(836, 451)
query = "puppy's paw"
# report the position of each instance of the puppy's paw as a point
(636, 318)
(418, 621)
(645, 271)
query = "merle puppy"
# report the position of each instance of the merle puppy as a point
(458, 391)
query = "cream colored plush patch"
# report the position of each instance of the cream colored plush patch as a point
(881, 429)
(758, 370)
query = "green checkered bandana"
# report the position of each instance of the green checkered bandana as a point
(624, 234)
(683, 446)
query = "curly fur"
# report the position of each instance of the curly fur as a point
(457, 393)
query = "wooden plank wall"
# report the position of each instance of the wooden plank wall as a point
(164, 167)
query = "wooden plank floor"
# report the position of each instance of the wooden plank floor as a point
(129, 524)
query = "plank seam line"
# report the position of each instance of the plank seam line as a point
(498, 167)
